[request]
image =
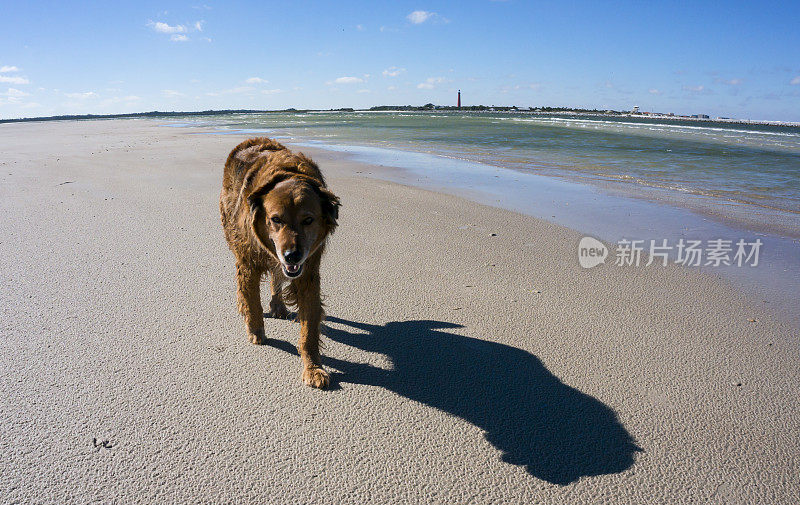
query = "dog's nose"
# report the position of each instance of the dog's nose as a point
(293, 256)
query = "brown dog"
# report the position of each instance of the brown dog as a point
(277, 215)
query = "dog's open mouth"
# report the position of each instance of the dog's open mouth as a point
(292, 270)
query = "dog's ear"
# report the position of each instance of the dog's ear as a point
(258, 224)
(330, 207)
(255, 203)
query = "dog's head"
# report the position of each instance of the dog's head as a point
(291, 215)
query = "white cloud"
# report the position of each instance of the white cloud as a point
(13, 80)
(391, 88)
(393, 72)
(534, 86)
(654, 91)
(729, 82)
(271, 91)
(363, 91)
(795, 81)
(9, 68)
(431, 82)
(165, 28)
(256, 80)
(360, 28)
(419, 17)
(177, 32)
(14, 92)
(131, 98)
(81, 96)
(694, 89)
(347, 80)
(171, 93)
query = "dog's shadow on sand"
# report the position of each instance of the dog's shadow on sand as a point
(556, 432)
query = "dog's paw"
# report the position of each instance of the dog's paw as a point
(316, 377)
(278, 311)
(257, 336)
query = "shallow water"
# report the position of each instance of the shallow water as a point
(755, 166)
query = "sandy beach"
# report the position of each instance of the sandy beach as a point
(473, 360)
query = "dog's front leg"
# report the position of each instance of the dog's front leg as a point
(249, 296)
(309, 311)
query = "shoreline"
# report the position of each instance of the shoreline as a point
(645, 116)
(601, 210)
(783, 223)
(772, 282)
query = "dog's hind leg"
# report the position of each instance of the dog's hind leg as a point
(249, 301)
(277, 309)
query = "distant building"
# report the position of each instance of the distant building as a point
(635, 109)
(459, 99)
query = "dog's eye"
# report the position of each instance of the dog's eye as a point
(276, 220)
(307, 221)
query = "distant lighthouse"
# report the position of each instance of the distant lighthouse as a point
(459, 99)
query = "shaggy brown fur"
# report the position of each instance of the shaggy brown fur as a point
(277, 215)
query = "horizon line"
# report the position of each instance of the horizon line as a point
(405, 108)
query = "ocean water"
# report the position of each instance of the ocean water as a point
(744, 170)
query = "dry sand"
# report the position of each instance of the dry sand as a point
(468, 368)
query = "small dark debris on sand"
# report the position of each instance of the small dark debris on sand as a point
(102, 444)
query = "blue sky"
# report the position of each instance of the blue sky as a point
(738, 58)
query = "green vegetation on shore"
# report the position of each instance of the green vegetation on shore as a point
(399, 108)
(427, 107)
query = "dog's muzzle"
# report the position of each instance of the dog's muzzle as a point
(292, 263)
(292, 270)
